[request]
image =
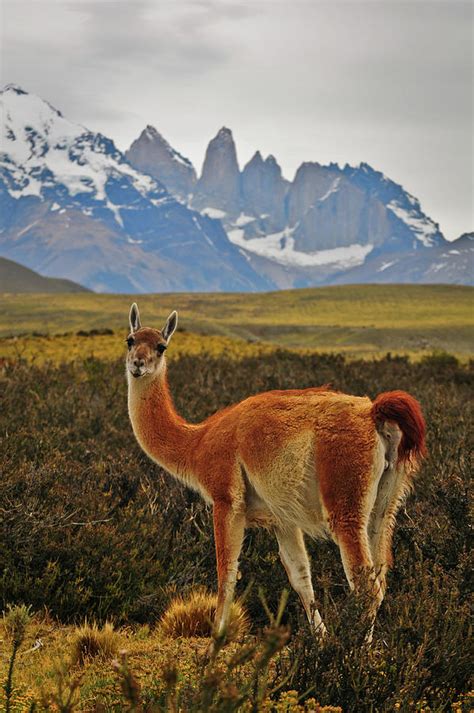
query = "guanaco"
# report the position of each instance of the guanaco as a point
(300, 461)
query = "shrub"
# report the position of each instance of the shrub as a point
(15, 621)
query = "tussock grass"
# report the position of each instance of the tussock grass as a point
(194, 615)
(90, 641)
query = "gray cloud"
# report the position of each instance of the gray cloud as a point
(388, 82)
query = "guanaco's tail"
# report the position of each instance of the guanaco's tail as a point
(402, 409)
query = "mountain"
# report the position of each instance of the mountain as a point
(152, 154)
(452, 263)
(321, 226)
(72, 205)
(329, 216)
(18, 278)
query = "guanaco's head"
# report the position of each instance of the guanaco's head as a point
(146, 346)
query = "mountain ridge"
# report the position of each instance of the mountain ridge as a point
(322, 225)
(73, 204)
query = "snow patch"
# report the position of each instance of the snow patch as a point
(206, 237)
(332, 189)
(423, 227)
(244, 220)
(25, 230)
(30, 187)
(214, 213)
(280, 247)
(385, 265)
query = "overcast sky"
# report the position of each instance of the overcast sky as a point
(382, 81)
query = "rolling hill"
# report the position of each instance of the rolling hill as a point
(16, 278)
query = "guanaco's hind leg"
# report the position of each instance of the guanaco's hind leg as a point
(229, 524)
(390, 494)
(391, 489)
(359, 568)
(295, 560)
(349, 470)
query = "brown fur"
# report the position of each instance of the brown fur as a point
(299, 461)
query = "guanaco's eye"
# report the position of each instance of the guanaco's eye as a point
(130, 342)
(160, 348)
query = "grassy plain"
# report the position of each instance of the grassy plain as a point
(90, 529)
(360, 320)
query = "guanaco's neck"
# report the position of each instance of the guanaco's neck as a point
(162, 433)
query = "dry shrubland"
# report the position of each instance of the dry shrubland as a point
(92, 529)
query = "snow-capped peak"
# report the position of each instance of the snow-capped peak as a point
(42, 153)
(29, 121)
(424, 229)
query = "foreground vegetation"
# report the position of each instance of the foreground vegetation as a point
(92, 530)
(361, 320)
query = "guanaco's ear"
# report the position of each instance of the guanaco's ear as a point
(134, 318)
(170, 326)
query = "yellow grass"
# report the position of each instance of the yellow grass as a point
(150, 653)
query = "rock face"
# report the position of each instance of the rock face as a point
(345, 215)
(312, 182)
(72, 206)
(219, 184)
(264, 190)
(153, 155)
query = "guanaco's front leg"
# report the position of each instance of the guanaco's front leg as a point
(296, 563)
(229, 524)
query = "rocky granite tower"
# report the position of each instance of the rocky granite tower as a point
(264, 190)
(219, 185)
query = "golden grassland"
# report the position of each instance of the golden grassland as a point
(148, 652)
(417, 653)
(147, 670)
(71, 347)
(143, 664)
(359, 321)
